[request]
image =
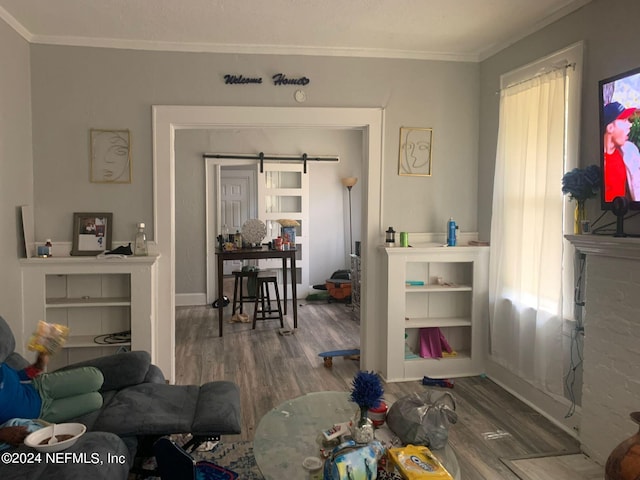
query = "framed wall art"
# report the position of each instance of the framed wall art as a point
(415, 152)
(91, 233)
(110, 156)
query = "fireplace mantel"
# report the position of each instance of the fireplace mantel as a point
(611, 359)
(608, 246)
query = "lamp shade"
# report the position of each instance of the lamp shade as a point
(349, 181)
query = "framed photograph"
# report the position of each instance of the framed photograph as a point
(415, 152)
(110, 156)
(91, 233)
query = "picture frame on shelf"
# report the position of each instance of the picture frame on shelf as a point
(92, 233)
(110, 156)
(414, 157)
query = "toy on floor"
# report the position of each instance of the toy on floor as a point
(353, 354)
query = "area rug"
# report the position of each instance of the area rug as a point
(557, 467)
(235, 456)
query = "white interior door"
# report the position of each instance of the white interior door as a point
(283, 193)
(237, 203)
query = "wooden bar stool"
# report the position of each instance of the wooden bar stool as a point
(263, 309)
(238, 288)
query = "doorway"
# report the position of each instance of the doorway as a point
(238, 203)
(168, 119)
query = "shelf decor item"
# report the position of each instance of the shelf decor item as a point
(91, 233)
(254, 231)
(288, 230)
(367, 393)
(581, 184)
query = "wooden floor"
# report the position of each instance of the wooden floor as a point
(270, 368)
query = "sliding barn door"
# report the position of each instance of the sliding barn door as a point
(283, 193)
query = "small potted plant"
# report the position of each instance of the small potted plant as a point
(581, 184)
(367, 393)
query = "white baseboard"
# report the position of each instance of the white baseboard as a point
(189, 299)
(554, 409)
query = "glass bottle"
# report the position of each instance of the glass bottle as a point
(140, 244)
(49, 247)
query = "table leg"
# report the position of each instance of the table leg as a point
(294, 288)
(220, 294)
(284, 282)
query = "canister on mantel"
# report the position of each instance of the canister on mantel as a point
(404, 239)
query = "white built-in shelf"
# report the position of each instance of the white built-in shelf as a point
(88, 302)
(423, 322)
(88, 341)
(453, 298)
(438, 288)
(93, 297)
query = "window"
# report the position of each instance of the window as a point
(531, 273)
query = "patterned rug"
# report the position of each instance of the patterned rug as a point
(235, 456)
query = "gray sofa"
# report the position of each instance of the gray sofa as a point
(138, 407)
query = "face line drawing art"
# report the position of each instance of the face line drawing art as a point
(416, 152)
(111, 156)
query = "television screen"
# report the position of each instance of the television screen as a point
(620, 139)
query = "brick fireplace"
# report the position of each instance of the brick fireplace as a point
(611, 382)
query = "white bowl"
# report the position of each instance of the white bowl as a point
(76, 429)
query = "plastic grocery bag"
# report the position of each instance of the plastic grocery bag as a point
(423, 418)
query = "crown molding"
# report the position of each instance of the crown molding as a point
(249, 49)
(16, 25)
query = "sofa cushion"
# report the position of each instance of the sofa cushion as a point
(94, 463)
(150, 409)
(218, 409)
(7, 340)
(120, 370)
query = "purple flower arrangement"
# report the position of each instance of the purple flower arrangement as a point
(582, 183)
(367, 390)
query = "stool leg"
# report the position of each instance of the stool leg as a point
(241, 292)
(275, 286)
(235, 295)
(266, 286)
(255, 306)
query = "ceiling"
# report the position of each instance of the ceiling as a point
(459, 30)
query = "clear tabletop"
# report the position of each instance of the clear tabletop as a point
(289, 433)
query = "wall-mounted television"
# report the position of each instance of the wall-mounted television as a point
(620, 140)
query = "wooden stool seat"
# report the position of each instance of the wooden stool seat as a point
(263, 310)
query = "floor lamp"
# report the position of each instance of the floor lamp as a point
(349, 182)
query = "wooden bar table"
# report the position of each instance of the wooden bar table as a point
(259, 253)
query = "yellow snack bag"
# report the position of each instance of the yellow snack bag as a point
(48, 337)
(417, 462)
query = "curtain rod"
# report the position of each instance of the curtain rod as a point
(559, 67)
(261, 157)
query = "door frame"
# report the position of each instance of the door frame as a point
(166, 119)
(213, 174)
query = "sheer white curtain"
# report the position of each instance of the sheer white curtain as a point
(526, 266)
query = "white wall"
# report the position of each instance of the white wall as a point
(78, 88)
(16, 170)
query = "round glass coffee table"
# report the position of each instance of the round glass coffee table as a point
(289, 433)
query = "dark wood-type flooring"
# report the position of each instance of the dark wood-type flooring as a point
(270, 368)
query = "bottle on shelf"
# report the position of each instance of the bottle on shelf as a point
(140, 244)
(49, 247)
(451, 232)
